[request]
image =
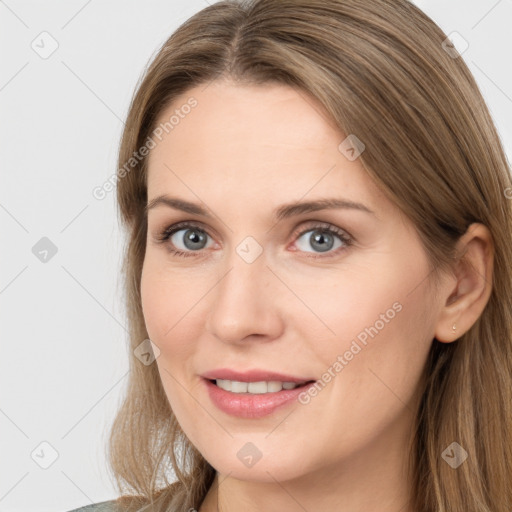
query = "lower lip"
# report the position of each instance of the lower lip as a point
(247, 405)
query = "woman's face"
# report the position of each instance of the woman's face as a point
(266, 282)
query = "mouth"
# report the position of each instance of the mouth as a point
(253, 394)
(257, 387)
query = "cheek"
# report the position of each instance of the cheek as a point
(376, 316)
(381, 335)
(347, 305)
(167, 296)
(384, 339)
(170, 318)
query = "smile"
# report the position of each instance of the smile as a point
(253, 400)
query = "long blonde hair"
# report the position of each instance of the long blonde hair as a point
(381, 71)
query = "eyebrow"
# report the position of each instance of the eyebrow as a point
(283, 212)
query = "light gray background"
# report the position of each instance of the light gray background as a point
(64, 360)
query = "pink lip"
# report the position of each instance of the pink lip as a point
(248, 405)
(252, 376)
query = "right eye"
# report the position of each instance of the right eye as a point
(184, 238)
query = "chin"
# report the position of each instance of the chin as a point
(244, 461)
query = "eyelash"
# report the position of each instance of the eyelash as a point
(166, 234)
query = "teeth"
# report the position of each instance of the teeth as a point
(274, 386)
(256, 388)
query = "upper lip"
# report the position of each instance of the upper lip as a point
(254, 375)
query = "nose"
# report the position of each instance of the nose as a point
(245, 303)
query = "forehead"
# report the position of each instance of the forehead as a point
(267, 139)
(255, 116)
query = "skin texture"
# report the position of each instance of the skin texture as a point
(242, 152)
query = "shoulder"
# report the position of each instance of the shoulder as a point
(165, 498)
(104, 506)
(127, 503)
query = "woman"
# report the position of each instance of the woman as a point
(319, 228)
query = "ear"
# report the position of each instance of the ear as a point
(467, 296)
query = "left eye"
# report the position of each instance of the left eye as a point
(321, 239)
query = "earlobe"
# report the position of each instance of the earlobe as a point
(467, 298)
